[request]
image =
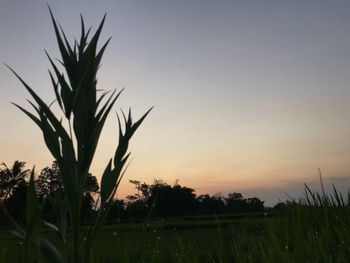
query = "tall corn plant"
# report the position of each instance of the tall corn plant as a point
(84, 113)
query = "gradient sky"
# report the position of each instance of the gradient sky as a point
(249, 96)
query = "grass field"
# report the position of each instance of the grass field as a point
(191, 239)
(317, 229)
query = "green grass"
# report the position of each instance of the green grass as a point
(206, 239)
(179, 240)
(317, 229)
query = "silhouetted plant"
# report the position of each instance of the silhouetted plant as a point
(74, 147)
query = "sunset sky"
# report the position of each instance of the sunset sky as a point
(249, 96)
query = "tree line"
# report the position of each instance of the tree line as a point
(158, 199)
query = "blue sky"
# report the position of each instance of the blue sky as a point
(249, 96)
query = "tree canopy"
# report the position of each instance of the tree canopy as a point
(158, 199)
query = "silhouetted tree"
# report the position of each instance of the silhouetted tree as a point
(90, 189)
(235, 203)
(12, 178)
(255, 205)
(49, 185)
(143, 189)
(91, 185)
(163, 200)
(209, 205)
(117, 211)
(49, 182)
(16, 203)
(160, 199)
(280, 206)
(136, 207)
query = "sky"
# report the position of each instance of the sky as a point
(249, 96)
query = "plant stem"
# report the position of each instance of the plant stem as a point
(76, 232)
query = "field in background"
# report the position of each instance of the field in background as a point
(188, 239)
(316, 229)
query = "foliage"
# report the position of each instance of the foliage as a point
(49, 182)
(11, 179)
(160, 199)
(49, 186)
(74, 147)
(315, 229)
(13, 188)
